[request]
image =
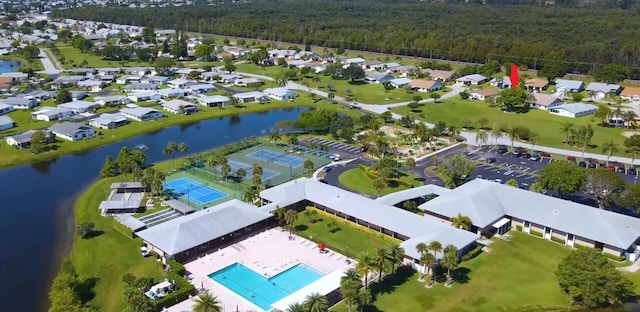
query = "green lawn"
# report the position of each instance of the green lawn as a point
(514, 276)
(73, 57)
(107, 256)
(347, 239)
(454, 111)
(356, 180)
(12, 156)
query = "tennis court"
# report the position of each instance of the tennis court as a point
(279, 158)
(193, 191)
(235, 165)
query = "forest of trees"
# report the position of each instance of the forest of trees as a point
(582, 38)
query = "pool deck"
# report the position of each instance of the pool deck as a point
(268, 253)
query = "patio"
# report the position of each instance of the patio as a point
(267, 253)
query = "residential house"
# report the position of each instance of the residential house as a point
(173, 92)
(20, 103)
(212, 75)
(180, 83)
(248, 82)
(144, 96)
(82, 71)
(159, 80)
(79, 107)
(599, 90)
(5, 109)
(230, 78)
(474, 79)
(141, 113)
(568, 86)
(40, 96)
(391, 65)
(108, 121)
(214, 100)
(630, 94)
(250, 97)
(23, 140)
(78, 95)
(137, 71)
(500, 83)
(6, 123)
(371, 65)
(536, 85)
(106, 78)
(200, 88)
(180, 107)
(72, 131)
(113, 100)
(68, 80)
(400, 82)
(15, 76)
(185, 72)
(141, 87)
(544, 101)
(52, 114)
(297, 63)
(442, 75)
(482, 94)
(281, 94)
(92, 85)
(354, 61)
(403, 71)
(378, 77)
(109, 71)
(127, 79)
(6, 83)
(422, 85)
(574, 110)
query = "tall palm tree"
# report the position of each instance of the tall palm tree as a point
(206, 302)
(533, 137)
(451, 249)
(381, 261)
(449, 262)
(183, 148)
(585, 134)
(315, 302)
(609, 148)
(364, 298)
(566, 128)
(481, 137)
(512, 133)
(428, 260)
(454, 132)
(461, 222)
(296, 307)
(290, 217)
(351, 274)
(496, 134)
(170, 149)
(364, 266)
(629, 118)
(436, 247)
(396, 255)
(422, 250)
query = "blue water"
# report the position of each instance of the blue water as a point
(7, 66)
(263, 291)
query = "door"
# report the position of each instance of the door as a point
(527, 226)
(570, 240)
(547, 233)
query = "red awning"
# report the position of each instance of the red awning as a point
(321, 246)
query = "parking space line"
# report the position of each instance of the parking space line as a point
(529, 177)
(508, 172)
(534, 171)
(504, 164)
(524, 174)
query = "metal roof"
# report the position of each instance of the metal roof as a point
(397, 197)
(125, 185)
(180, 206)
(130, 222)
(119, 204)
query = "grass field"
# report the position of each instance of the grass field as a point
(12, 156)
(73, 57)
(357, 180)
(346, 239)
(110, 254)
(454, 111)
(515, 275)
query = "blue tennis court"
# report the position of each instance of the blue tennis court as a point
(282, 159)
(235, 165)
(194, 191)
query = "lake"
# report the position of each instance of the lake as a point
(7, 66)
(38, 199)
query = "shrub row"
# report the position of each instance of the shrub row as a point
(472, 254)
(358, 227)
(183, 291)
(608, 255)
(519, 228)
(176, 267)
(535, 233)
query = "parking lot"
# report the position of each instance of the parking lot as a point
(342, 149)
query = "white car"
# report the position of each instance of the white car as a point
(144, 251)
(498, 180)
(336, 157)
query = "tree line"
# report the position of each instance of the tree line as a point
(580, 37)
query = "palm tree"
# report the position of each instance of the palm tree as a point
(533, 137)
(629, 118)
(454, 132)
(422, 250)
(396, 255)
(364, 298)
(351, 274)
(512, 133)
(241, 174)
(275, 136)
(167, 151)
(308, 165)
(461, 222)
(296, 307)
(566, 128)
(364, 266)
(496, 134)
(451, 249)
(450, 262)
(585, 134)
(170, 149)
(381, 261)
(428, 260)
(436, 247)
(290, 217)
(316, 302)
(183, 148)
(206, 302)
(481, 137)
(609, 148)
(316, 79)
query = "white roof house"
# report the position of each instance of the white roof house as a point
(569, 85)
(252, 96)
(573, 110)
(141, 113)
(72, 131)
(173, 92)
(108, 121)
(473, 79)
(79, 106)
(192, 230)
(281, 94)
(214, 100)
(179, 107)
(413, 227)
(6, 123)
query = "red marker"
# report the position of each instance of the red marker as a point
(514, 76)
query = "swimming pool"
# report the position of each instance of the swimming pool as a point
(263, 291)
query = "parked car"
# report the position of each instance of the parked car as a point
(592, 163)
(491, 160)
(621, 169)
(632, 171)
(571, 159)
(545, 155)
(498, 180)
(336, 157)
(516, 153)
(582, 164)
(326, 169)
(502, 149)
(535, 158)
(526, 155)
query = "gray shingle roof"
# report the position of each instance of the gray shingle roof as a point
(192, 230)
(482, 200)
(68, 128)
(130, 222)
(603, 87)
(569, 84)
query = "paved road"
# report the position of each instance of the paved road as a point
(49, 68)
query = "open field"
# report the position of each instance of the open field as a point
(357, 180)
(12, 156)
(454, 111)
(513, 276)
(73, 56)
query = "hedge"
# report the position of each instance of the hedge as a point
(614, 257)
(557, 240)
(184, 289)
(472, 254)
(357, 226)
(177, 267)
(535, 233)
(519, 228)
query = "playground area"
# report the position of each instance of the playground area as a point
(406, 144)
